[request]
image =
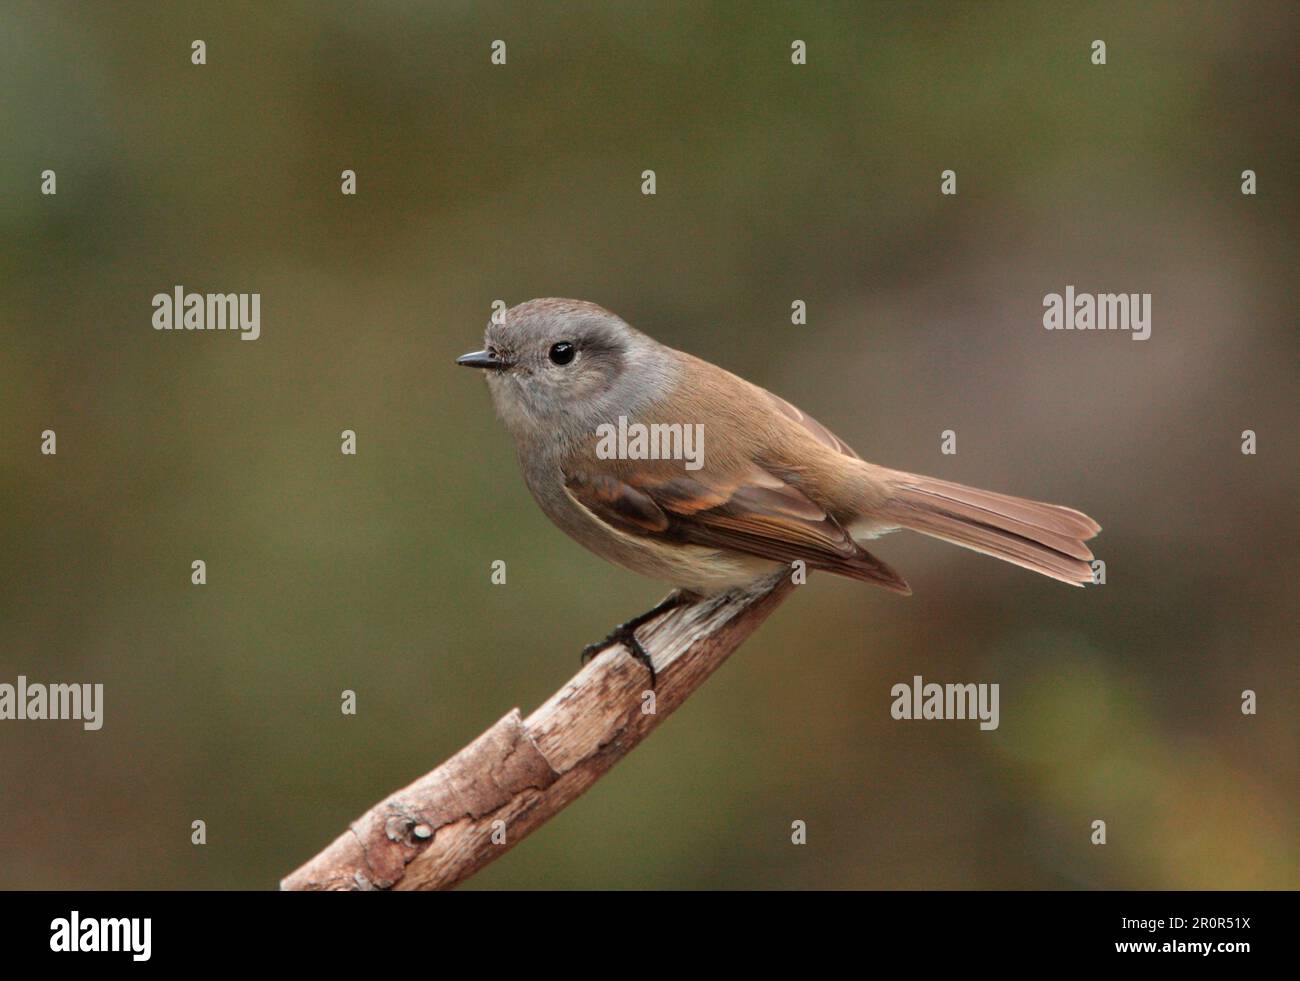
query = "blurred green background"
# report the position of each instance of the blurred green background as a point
(775, 183)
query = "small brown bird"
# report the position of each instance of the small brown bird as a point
(681, 471)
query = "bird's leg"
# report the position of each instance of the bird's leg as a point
(625, 633)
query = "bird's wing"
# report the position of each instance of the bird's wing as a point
(815, 428)
(749, 511)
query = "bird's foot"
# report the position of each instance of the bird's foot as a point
(625, 634)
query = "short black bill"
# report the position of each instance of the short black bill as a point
(481, 359)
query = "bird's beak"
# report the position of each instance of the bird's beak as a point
(481, 359)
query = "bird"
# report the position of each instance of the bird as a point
(767, 485)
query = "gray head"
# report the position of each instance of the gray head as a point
(567, 365)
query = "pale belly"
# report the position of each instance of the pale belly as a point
(700, 570)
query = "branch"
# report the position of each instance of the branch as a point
(519, 774)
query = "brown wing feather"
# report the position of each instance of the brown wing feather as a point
(754, 513)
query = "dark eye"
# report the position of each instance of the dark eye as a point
(562, 353)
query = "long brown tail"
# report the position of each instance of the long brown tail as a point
(1046, 538)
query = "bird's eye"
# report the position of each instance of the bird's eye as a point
(562, 353)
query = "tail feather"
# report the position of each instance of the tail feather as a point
(1045, 538)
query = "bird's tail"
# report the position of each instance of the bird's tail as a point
(1046, 538)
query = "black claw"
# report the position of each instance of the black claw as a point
(625, 634)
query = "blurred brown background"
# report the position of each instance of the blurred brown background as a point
(775, 183)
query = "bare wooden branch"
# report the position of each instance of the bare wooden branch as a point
(513, 778)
